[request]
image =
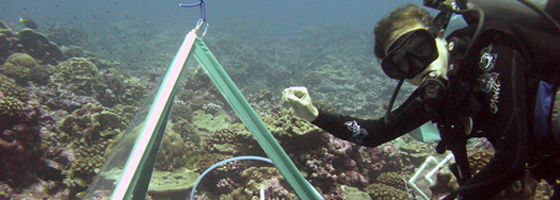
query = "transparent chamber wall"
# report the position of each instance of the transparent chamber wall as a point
(203, 130)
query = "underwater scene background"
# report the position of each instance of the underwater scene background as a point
(71, 85)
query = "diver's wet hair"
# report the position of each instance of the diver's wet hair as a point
(399, 18)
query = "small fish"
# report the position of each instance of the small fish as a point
(74, 17)
(94, 16)
(24, 9)
(56, 5)
(116, 4)
(28, 23)
(70, 22)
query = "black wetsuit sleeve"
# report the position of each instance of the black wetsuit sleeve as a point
(404, 119)
(506, 126)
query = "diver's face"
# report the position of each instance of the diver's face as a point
(437, 68)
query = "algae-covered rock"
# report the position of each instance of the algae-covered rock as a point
(354, 193)
(208, 123)
(176, 184)
(293, 133)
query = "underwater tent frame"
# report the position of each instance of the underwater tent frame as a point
(152, 118)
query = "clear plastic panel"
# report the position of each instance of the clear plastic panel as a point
(204, 130)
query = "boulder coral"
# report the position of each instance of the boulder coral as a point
(171, 151)
(75, 74)
(39, 47)
(92, 123)
(23, 68)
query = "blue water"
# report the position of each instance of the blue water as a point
(277, 17)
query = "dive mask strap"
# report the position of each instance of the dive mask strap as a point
(439, 23)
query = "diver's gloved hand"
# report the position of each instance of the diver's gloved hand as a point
(301, 102)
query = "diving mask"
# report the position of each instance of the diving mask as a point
(410, 55)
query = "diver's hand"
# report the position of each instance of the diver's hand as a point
(301, 102)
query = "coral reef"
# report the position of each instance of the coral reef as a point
(63, 118)
(385, 192)
(92, 122)
(38, 46)
(21, 150)
(30, 42)
(76, 75)
(115, 87)
(354, 193)
(205, 123)
(171, 151)
(59, 99)
(23, 68)
(478, 159)
(174, 184)
(393, 179)
(85, 135)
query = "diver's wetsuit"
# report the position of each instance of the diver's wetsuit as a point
(494, 87)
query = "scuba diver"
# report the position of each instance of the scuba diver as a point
(496, 78)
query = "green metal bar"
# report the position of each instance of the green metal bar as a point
(139, 167)
(252, 121)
